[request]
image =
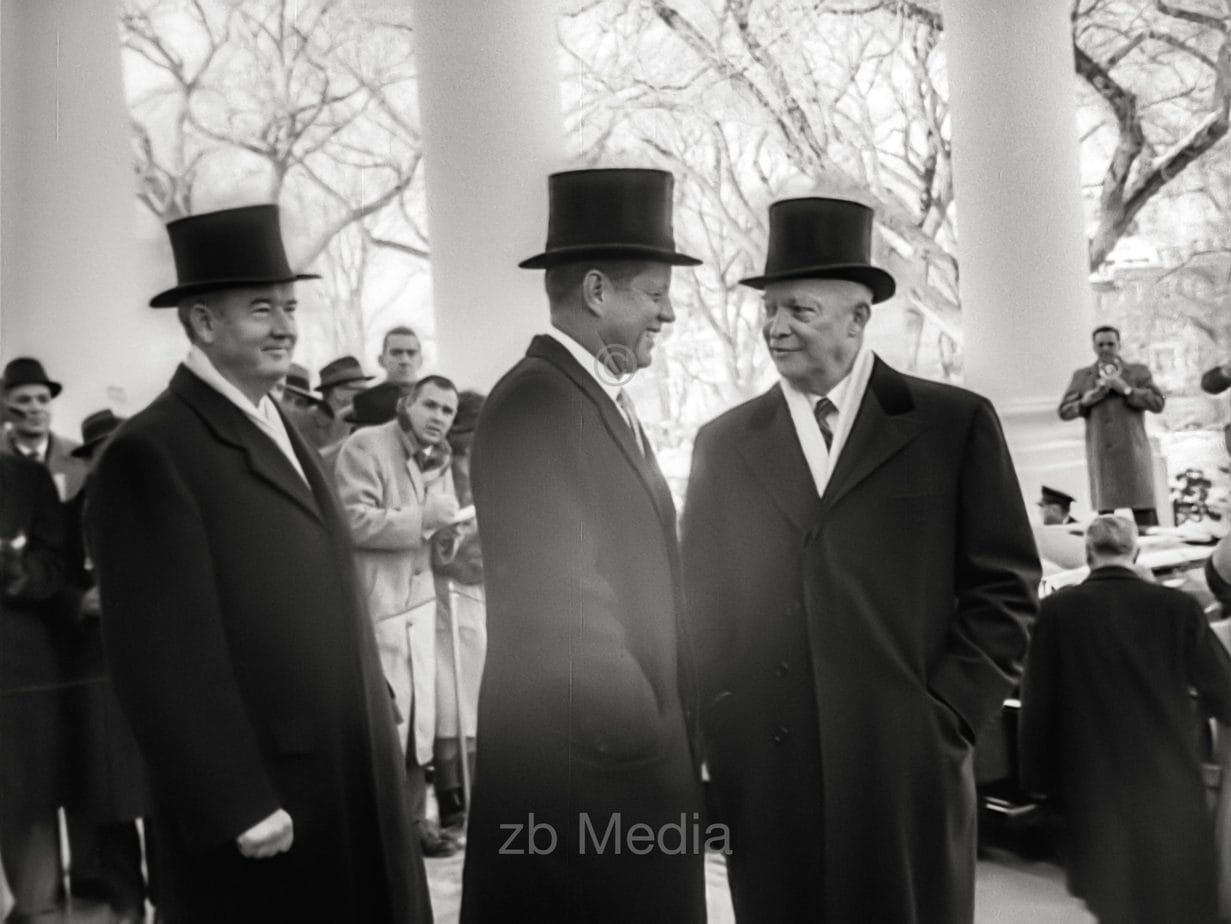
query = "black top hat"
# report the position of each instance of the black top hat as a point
(227, 249)
(26, 371)
(817, 238)
(340, 371)
(376, 405)
(609, 214)
(1052, 496)
(94, 429)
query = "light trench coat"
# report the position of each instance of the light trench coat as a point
(384, 495)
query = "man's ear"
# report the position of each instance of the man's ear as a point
(860, 315)
(595, 287)
(204, 322)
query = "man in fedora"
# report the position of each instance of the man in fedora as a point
(584, 710)
(860, 573)
(323, 424)
(234, 628)
(28, 394)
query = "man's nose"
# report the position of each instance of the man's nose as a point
(776, 326)
(283, 323)
(666, 311)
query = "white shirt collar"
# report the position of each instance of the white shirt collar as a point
(263, 413)
(846, 396)
(585, 358)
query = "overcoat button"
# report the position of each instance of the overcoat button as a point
(780, 734)
(782, 669)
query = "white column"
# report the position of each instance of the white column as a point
(1027, 305)
(490, 111)
(71, 290)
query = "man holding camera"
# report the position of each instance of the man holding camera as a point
(1113, 396)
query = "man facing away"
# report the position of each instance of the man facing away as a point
(1108, 732)
(396, 487)
(860, 572)
(234, 628)
(586, 797)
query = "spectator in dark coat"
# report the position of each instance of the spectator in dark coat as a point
(1108, 733)
(31, 573)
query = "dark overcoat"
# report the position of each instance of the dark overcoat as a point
(1118, 459)
(31, 727)
(241, 654)
(582, 710)
(1108, 730)
(848, 646)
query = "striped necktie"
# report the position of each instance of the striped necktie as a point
(823, 409)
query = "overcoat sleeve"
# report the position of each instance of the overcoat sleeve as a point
(1070, 405)
(1207, 663)
(42, 558)
(167, 647)
(996, 579)
(1036, 727)
(360, 482)
(1145, 395)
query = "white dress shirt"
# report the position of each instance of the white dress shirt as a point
(846, 396)
(263, 414)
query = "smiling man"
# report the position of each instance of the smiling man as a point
(860, 572)
(585, 705)
(236, 639)
(396, 486)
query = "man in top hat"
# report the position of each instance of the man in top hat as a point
(396, 487)
(585, 704)
(860, 572)
(234, 628)
(1054, 507)
(106, 789)
(1113, 396)
(28, 393)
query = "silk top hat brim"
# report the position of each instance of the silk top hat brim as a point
(227, 249)
(821, 238)
(609, 214)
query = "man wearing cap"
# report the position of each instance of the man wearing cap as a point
(585, 704)
(396, 488)
(234, 628)
(28, 393)
(1054, 507)
(860, 572)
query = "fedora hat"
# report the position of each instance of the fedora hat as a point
(342, 370)
(820, 238)
(225, 250)
(375, 406)
(609, 214)
(298, 383)
(26, 371)
(94, 429)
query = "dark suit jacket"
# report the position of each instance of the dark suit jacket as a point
(241, 654)
(848, 647)
(60, 461)
(582, 710)
(1108, 730)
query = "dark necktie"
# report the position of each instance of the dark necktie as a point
(823, 409)
(625, 404)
